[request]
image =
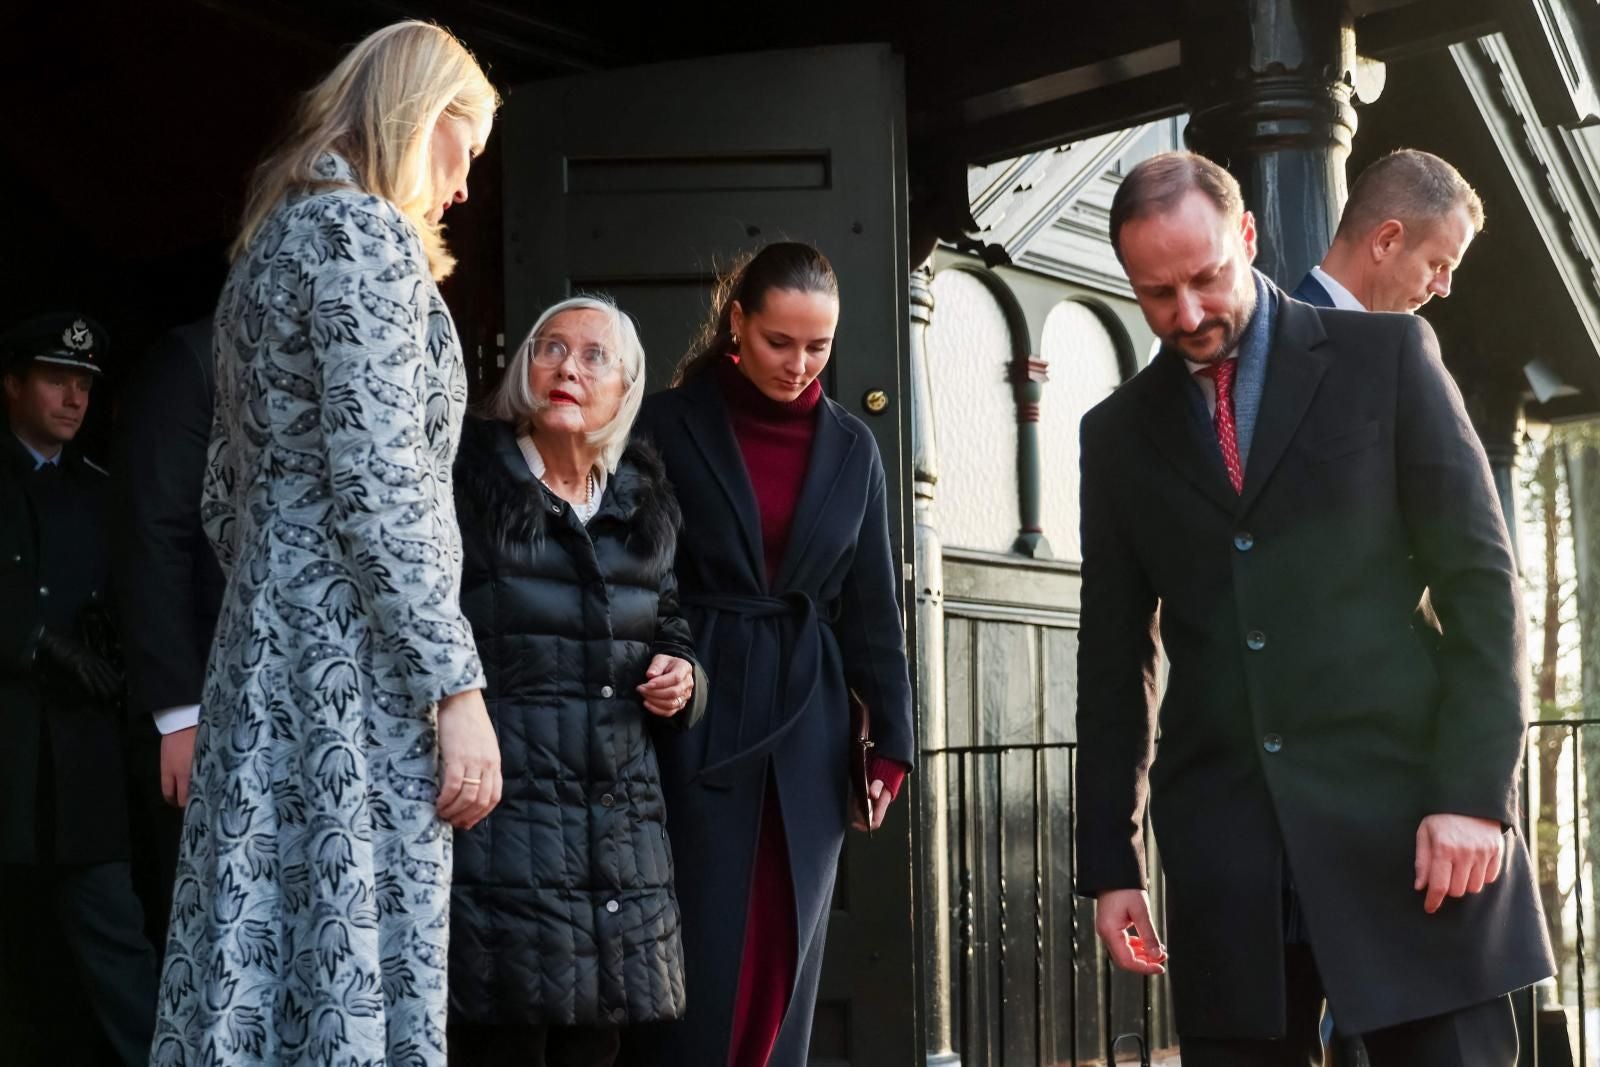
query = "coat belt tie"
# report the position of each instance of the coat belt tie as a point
(767, 684)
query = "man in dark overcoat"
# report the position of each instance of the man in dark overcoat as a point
(169, 587)
(1334, 793)
(1402, 235)
(63, 804)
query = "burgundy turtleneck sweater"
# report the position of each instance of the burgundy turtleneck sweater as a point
(775, 437)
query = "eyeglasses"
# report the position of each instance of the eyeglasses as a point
(593, 361)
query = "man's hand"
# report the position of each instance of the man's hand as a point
(1456, 855)
(1141, 952)
(177, 756)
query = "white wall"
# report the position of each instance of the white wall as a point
(969, 352)
(1083, 371)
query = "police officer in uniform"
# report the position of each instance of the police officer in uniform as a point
(63, 797)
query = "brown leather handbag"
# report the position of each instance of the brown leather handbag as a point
(861, 744)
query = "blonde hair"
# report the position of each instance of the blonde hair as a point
(377, 109)
(513, 400)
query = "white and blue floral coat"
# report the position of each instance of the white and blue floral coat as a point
(310, 914)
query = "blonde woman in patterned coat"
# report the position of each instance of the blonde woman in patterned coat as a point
(344, 729)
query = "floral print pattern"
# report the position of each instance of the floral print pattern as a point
(310, 914)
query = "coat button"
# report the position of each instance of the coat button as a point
(555, 509)
(606, 691)
(1243, 541)
(1272, 743)
(16, 557)
(612, 906)
(607, 800)
(44, 590)
(619, 1015)
(1255, 640)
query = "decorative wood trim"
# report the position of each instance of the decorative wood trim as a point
(991, 585)
(1551, 174)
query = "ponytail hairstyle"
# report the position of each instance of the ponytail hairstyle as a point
(786, 265)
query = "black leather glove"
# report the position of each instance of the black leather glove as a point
(98, 678)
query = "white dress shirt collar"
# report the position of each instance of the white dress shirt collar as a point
(1342, 297)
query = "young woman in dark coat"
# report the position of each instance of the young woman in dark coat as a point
(789, 582)
(564, 925)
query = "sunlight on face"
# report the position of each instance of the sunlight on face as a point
(1422, 264)
(456, 142)
(1190, 271)
(567, 401)
(785, 345)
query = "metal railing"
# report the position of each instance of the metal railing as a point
(1035, 986)
(1557, 1033)
(1033, 983)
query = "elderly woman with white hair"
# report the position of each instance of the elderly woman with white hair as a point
(564, 920)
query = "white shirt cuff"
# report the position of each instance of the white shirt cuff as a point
(171, 720)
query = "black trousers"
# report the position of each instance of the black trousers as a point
(102, 931)
(1483, 1035)
(154, 828)
(533, 1046)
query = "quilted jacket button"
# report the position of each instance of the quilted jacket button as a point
(612, 906)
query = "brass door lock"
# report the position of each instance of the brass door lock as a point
(876, 401)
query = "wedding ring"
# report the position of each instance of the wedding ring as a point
(470, 781)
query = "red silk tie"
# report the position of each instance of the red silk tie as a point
(1227, 438)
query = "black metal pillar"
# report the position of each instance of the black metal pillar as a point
(1270, 89)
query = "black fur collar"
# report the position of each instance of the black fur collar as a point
(496, 491)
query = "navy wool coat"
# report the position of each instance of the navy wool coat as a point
(1307, 717)
(562, 909)
(782, 657)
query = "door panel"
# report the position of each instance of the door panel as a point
(643, 183)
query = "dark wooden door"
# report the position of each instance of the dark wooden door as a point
(642, 183)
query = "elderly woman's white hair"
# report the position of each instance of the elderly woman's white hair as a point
(515, 403)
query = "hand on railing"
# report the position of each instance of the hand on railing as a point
(1116, 911)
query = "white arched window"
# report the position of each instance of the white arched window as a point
(1084, 369)
(969, 348)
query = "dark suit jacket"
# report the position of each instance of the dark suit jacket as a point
(169, 581)
(1312, 292)
(1302, 710)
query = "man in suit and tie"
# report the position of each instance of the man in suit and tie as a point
(1335, 800)
(1403, 234)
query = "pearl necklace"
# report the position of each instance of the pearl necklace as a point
(588, 489)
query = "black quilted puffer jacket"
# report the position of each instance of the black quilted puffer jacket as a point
(562, 909)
